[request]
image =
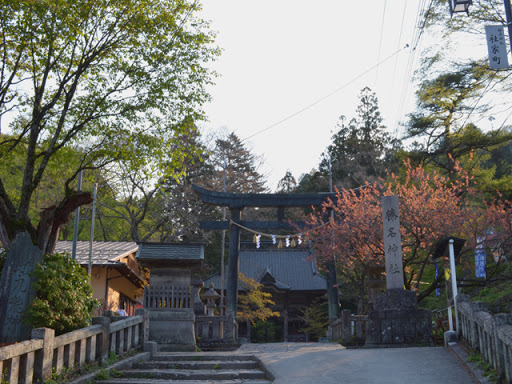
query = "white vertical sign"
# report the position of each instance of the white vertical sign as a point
(496, 46)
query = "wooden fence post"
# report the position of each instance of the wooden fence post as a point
(44, 357)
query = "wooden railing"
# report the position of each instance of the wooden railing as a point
(489, 334)
(349, 328)
(167, 296)
(35, 360)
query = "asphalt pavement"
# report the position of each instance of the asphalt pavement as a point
(326, 363)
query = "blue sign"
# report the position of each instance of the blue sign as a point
(480, 258)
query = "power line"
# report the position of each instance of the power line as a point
(396, 61)
(380, 42)
(418, 32)
(325, 97)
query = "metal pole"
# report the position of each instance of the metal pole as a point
(92, 227)
(508, 14)
(77, 219)
(450, 319)
(454, 282)
(222, 251)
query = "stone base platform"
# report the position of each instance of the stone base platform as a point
(172, 329)
(396, 321)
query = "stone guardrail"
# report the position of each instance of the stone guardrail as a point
(35, 360)
(349, 328)
(489, 334)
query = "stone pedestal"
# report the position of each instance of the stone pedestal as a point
(396, 321)
(172, 330)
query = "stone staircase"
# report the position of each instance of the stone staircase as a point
(194, 368)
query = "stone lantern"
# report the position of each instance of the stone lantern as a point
(211, 295)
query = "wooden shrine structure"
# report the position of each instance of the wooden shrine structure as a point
(236, 202)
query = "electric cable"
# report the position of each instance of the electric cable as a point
(325, 97)
(380, 42)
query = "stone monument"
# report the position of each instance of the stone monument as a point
(170, 297)
(395, 319)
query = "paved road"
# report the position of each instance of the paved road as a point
(325, 363)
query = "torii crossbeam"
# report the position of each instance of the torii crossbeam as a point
(236, 202)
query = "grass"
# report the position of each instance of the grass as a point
(481, 363)
(105, 374)
(498, 297)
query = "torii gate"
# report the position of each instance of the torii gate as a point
(236, 202)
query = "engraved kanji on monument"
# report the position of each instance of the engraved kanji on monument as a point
(392, 243)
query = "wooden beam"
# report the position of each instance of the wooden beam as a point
(242, 200)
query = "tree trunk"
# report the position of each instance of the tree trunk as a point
(24, 252)
(16, 290)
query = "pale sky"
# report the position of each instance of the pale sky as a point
(281, 56)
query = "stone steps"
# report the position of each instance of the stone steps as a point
(194, 368)
(200, 356)
(197, 365)
(158, 381)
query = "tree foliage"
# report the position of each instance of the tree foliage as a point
(432, 207)
(316, 317)
(242, 175)
(254, 304)
(361, 150)
(287, 184)
(118, 81)
(64, 300)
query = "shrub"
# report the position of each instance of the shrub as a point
(64, 296)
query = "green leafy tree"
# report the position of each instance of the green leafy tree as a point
(316, 317)
(444, 135)
(443, 106)
(115, 81)
(118, 81)
(64, 297)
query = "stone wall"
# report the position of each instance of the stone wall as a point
(397, 321)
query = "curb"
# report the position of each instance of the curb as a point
(269, 374)
(462, 355)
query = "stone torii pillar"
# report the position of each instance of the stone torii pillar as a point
(233, 261)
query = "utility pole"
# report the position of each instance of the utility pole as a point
(93, 218)
(77, 219)
(222, 306)
(508, 14)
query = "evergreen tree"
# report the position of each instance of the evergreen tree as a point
(287, 184)
(361, 150)
(242, 174)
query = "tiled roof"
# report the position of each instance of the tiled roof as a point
(168, 251)
(290, 269)
(103, 252)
